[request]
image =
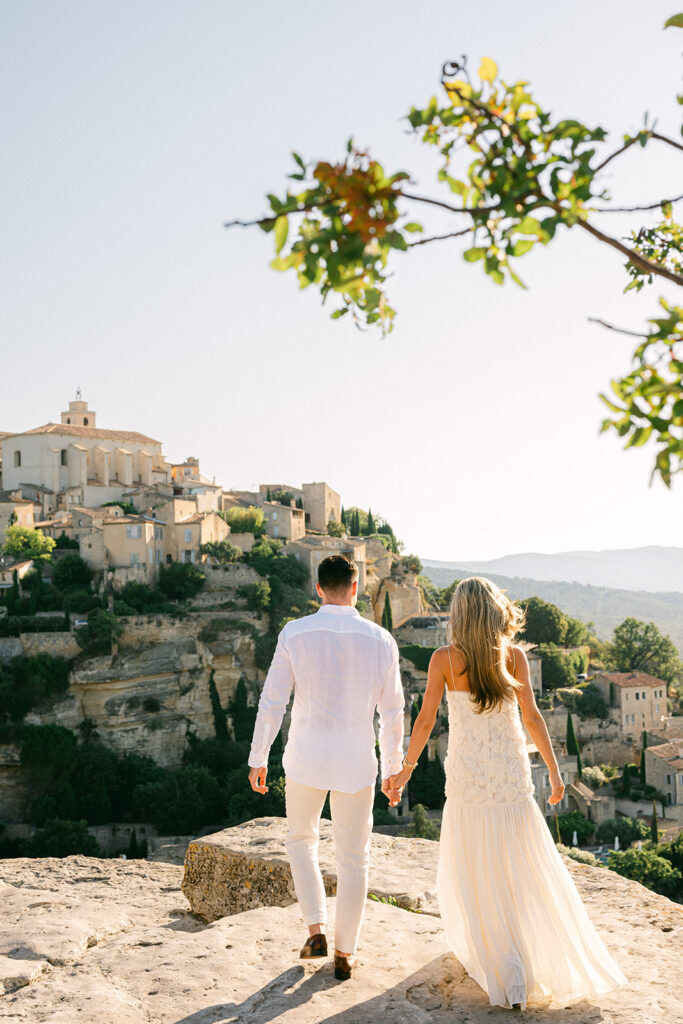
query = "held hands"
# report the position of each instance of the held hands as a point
(391, 792)
(257, 779)
(558, 787)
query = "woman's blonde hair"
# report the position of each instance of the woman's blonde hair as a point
(483, 623)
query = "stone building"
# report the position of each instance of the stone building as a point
(311, 550)
(664, 771)
(637, 700)
(80, 463)
(286, 522)
(15, 509)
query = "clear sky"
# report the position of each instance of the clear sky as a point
(132, 130)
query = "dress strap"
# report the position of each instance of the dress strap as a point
(512, 652)
(452, 672)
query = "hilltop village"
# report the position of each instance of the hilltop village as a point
(139, 607)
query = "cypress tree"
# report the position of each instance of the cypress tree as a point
(371, 523)
(133, 851)
(268, 494)
(220, 718)
(415, 709)
(579, 763)
(612, 693)
(15, 587)
(654, 828)
(343, 516)
(299, 503)
(38, 585)
(387, 617)
(66, 606)
(642, 758)
(572, 745)
(626, 780)
(558, 837)
(243, 716)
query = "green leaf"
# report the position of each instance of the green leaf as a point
(281, 232)
(519, 248)
(413, 227)
(474, 254)
(639, 437)
(339, 312)
(530, 226)
(676, 21)
(300, 162)
(396, 240)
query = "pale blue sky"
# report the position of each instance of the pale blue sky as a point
(132, 129)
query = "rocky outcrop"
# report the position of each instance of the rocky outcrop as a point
(99, 940)
(247, 866)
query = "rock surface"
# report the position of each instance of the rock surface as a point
(247, 866)
(130, 952)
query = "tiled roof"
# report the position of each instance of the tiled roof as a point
(671, 752)
(74, 430)
(635, 679)
(6, 497)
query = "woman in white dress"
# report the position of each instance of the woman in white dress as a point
(512, 914)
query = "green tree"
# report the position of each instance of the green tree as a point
(269, 496)
(422, 827)
(102, 630)
(66, 608)
(654, 827)
(544, 622)
(573, 821)
(648, 868)
(220, 716)
(558, 668)
(257, 595)
(223, 551)
(29, 682)
(245, 520)
(640, 647)
(387, 616)
(180, 581)
(335, 529)
(513, 179)
(370, 527)
(572, 744)
(643, 779)
(23, 542)
(242, 714)
(300, 503)
(627, 829)
(427, 783)
(415, 709)
(342, 515)
(71, 571)
(626, 780)
(63, 542)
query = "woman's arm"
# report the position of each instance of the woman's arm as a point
(535, 723)
(424, 723)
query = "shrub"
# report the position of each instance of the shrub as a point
(180, 801)
(627, 829)
(573, 821)
(151, 704)
(27, 682)
(71, 571)
(558, 668)
(69, 543)
(594, 776)
(257, 595)
(102, 630)
(582, 856)
(63, 839)
(648, 868)
(128, 509)
(180, 581)
(422, 827)
(336, 529)
(24, 542)
(411, 563)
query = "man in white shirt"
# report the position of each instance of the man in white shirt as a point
(342, 667)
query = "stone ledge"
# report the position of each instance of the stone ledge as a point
(247, 866)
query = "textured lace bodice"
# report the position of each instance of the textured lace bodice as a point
(487, 760)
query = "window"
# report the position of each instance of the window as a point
(626, 696)
(188, 534)
(274, 516)
(64, 457)
(134, 558)
(668, 780)
(151, 557)
(158, 533)
(85, 421)
(134, 531)
(637, 695)
(643, 695)
(160, 556)
(17, 458)
(657, 708)
(188, 556)
(276, 530)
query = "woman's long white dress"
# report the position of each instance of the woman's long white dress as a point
(512, 914)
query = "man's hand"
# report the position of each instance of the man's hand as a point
(392, 794)
(257, 779)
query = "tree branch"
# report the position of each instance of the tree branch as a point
(667, 140)
(634, 209)
(632, 257)
(619, 330)
(438, 238)
(615, 154)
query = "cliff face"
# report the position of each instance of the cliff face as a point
(92, 940)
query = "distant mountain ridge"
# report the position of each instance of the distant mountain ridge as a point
(603, 606)
(654, 568)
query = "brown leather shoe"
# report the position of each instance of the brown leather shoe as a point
(314, 946)
(343, 965)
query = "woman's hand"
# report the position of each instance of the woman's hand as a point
(399, 780)
(558, 786)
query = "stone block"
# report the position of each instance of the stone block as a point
(247, 866)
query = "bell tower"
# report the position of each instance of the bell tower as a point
(78, 413)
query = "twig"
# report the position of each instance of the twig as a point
(617, 152)
(619, 330)
(667, 140)
(634, 209)
(438, 238)
(632, 257)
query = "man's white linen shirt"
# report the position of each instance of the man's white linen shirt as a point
(342, 667)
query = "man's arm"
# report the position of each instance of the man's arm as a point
(391, 705)
(271, 709)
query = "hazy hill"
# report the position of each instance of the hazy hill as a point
(603, 606)
(654, 568)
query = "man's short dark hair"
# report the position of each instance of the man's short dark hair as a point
(337, 573)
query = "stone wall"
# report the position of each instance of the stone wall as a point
(228, 576)
(58, 645)
(600, 739)
(405, 596)
(10, 647)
